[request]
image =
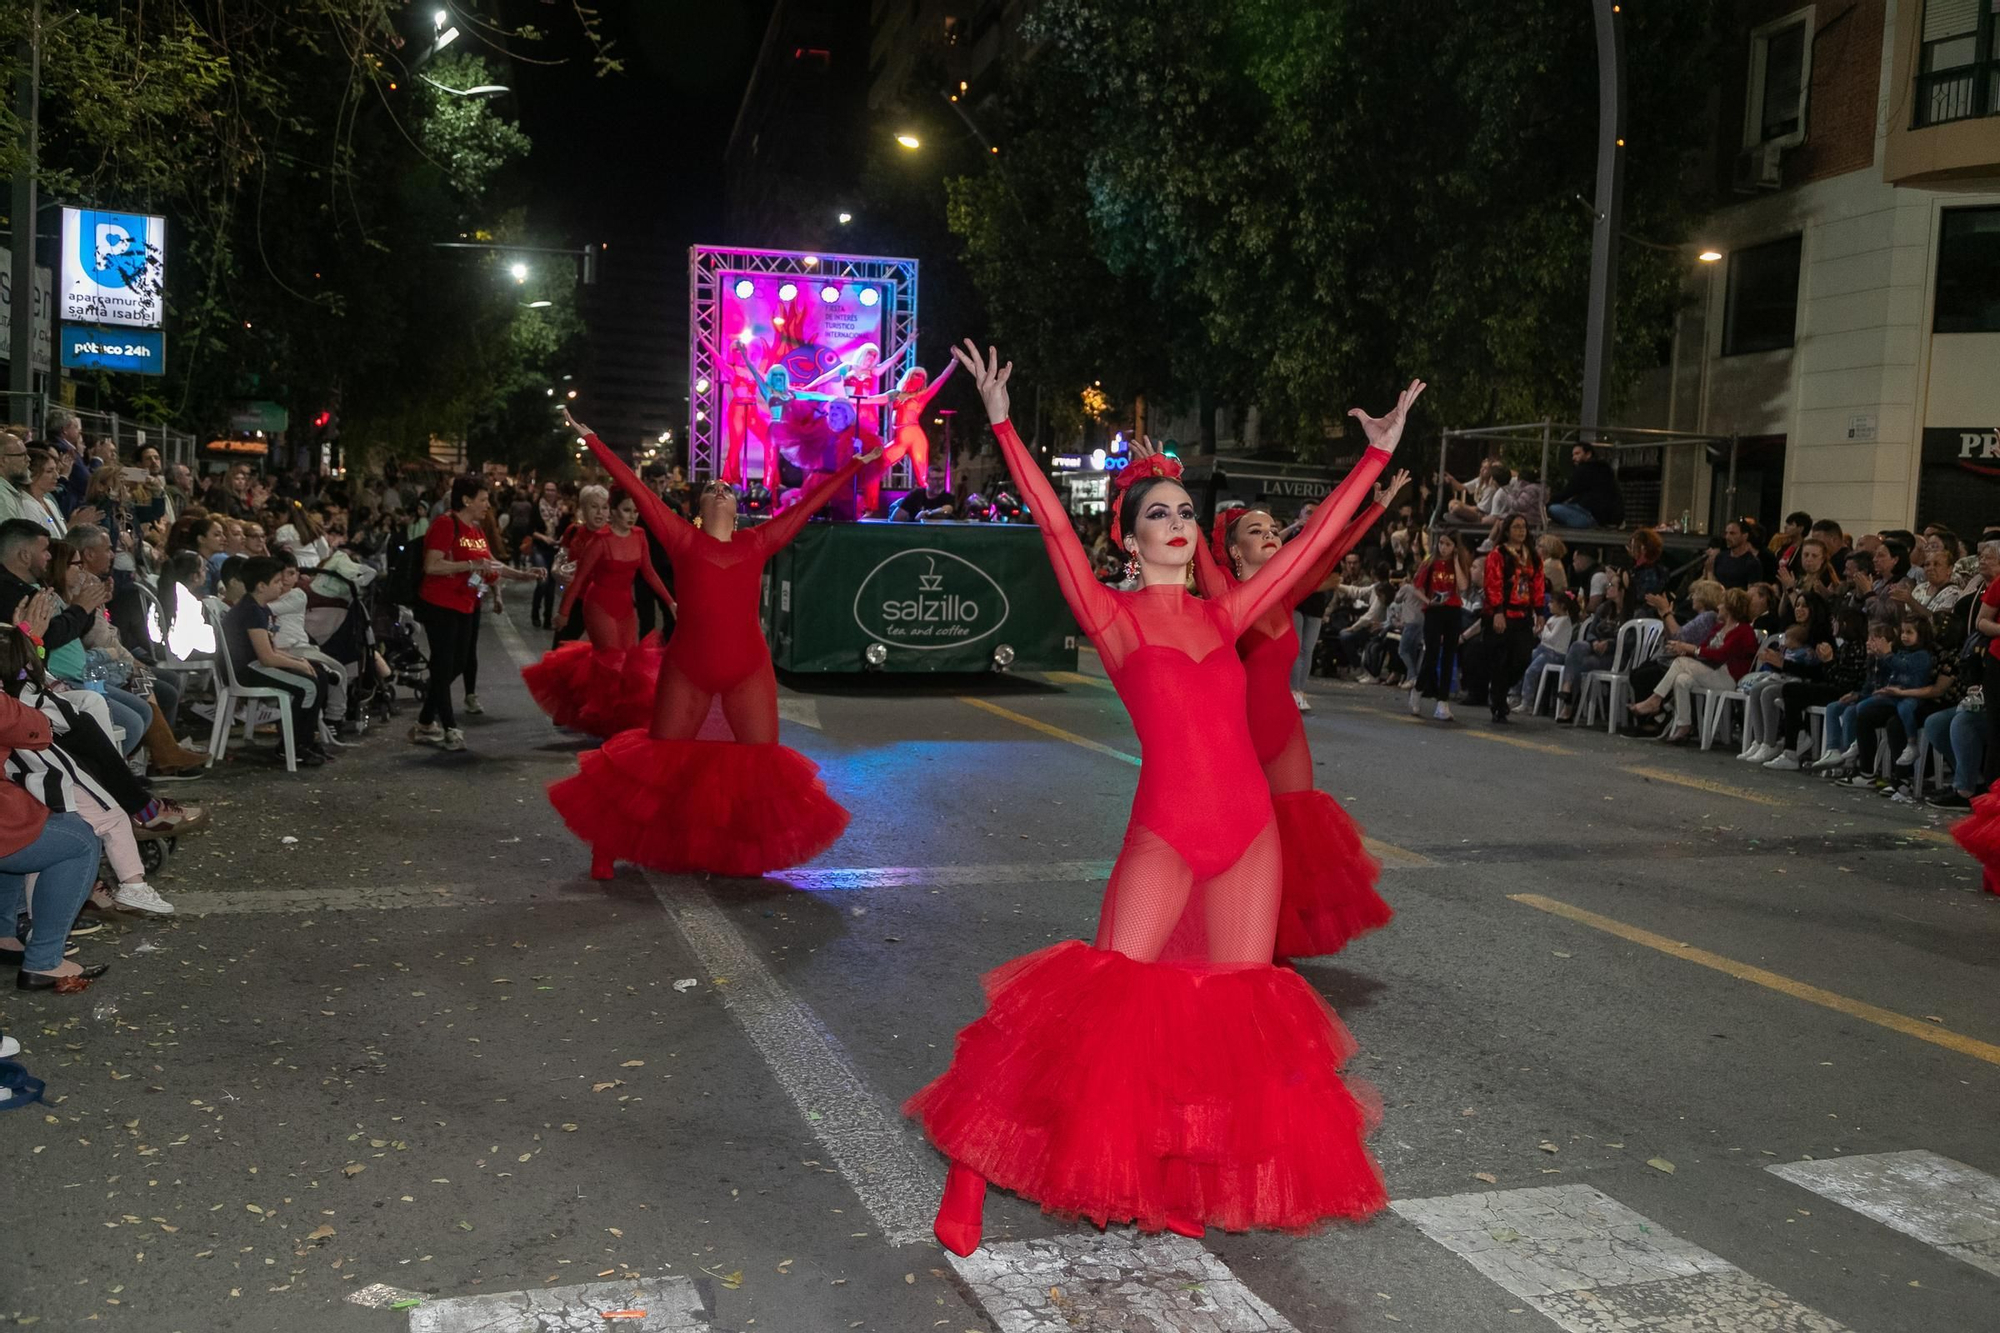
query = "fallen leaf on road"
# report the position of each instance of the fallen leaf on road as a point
(623, 1314)
(733, 1280)
(569, 1129)
(352, 1169)
(254, 1208)
(1660, 1164)
(909, 1279)
(616, 1232)
(1548, 1147)
(1932, 1018)
(1486, 1176)
(686, 984)
(633, 1064)
(319, 1233)
(605, 1087)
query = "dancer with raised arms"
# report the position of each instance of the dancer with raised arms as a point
(606, 685)
(1329, 877)
(1104, 1082)
(661, 798)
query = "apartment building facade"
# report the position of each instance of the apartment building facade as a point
(1849, 335)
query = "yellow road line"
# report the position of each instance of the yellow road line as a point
(1386, 852)
(1542, 747)
(1058, 733)
(1932, 835)
(1077, 678)
(1704, 784)
(1798, 990)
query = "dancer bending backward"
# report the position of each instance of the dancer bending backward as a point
(606, 685)
(663, 799)
(1103, 1082)
(1329, 877)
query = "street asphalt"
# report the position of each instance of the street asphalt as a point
(398, 1046)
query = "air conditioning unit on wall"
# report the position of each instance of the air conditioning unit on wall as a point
(1759, 168)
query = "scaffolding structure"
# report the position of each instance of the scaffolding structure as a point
(1549, 436)
(707, 407)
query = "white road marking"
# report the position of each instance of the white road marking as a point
(671, 1305)
(866, 1139)
(1593, 1265)
(1118, 1280)
(1942, 1203)
(511, 640)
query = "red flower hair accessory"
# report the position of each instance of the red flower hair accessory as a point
(1218, 538)
(1152, 465)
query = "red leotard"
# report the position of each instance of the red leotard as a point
(1104, 1084)
(1329, 894)
(604, 574)
(607, 684)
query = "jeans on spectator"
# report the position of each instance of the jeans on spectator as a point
(1572, 516)
(1961, 737)
(1684, 676)
(1353, 639)
(167, 693)
(1578, 662)
(1865, 722)
(130, 712)
(447, 632)
(1543, 656)
(1839, 726)
(1442, 626)
(1410, 647)
(305, 696)
(64, 862)
(1507, 656)
(1308, 628)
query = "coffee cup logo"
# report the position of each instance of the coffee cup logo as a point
(929, 600)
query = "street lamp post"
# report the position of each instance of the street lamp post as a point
(27, 104)
(1609, 213)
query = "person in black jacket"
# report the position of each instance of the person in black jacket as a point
(1592, 499)
(24, 563)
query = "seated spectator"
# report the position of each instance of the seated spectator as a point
(1813, 570)
(289, 609)
(1705, 599)
(1555, 567)
(1890, 565)
(1777, 666)
(1738, 562)
(1648, 576)
(933, 503)
(1839, 667)
(1767, 614)
(1370, 629)
(304, 535)
(1557, 632)
(63, 784)
(1840, 746)
(1591, 500)
(1958, 730)
(1717, 664)
(249, 637)
(1899, 704)
(1487, 498)
(1937, 592)
(228, 578)
(1593, 645)
(1785, 546)
(1588, 576)
(58, 848)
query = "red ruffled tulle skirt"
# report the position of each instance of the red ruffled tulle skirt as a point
(718, 807)
(600, 692)
(1979, 834)
(1120, 1091)
(1330, 895)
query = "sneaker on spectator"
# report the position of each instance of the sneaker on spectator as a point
(1300, 702)
(1908, 756)
(9, 1047)
(1416, 702)
(472, 705)
(1761, 754)
(1860, 780)
(1442, 713)
(1363, 678)
(86, 925)
(1950, 800)
(142, 897)
(454, 739)
(421, 734)
(1784, 762)
(174, 818)
(1829, 761)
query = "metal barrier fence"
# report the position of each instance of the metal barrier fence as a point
(175, 446)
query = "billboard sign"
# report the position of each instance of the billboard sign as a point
(820, 337)
(41, 312)
(114, 268)
(139, 351)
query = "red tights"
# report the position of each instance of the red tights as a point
(750, 706)
(610, 628)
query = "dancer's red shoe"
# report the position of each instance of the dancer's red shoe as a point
(961, 1215)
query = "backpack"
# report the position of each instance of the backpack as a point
(405, 573)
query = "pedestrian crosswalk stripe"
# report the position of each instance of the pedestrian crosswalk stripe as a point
(1119, 1279)
(643, 1305)
(1942, 1203)
(1591, 1264)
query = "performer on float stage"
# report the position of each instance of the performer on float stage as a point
(606, 685)
(1329, 877)
(663, 799)
(1105, 1083)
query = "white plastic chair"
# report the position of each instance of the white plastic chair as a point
(1716, 705)
(1542, 684)
(1931, 764)
(163, 658)
(230, 691)
(1638, 641)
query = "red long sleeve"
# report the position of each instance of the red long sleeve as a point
(673, 531)
(1089, 601)
(1248, 601)
(783, 527)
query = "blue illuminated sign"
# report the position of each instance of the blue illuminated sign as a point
(141, 351)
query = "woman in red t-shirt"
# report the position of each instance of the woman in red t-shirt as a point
(606, 685)
(458, 565)
(1443, 581)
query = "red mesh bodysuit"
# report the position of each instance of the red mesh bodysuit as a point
(1105, 1083)
(605, 685)
(663, 799)
(1329, 878)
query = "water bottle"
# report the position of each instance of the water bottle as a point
(1687, 521)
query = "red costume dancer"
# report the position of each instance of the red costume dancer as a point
(909, 403)
(663, 799)
(607, 685)
(1329, 877)
(747, 414)
(1979, 834)
(1105, 1083)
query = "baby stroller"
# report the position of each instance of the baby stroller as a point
(396, 631)
(351, 639)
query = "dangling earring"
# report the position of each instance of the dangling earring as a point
(1131, 565)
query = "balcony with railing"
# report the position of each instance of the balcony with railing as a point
(1963, 93)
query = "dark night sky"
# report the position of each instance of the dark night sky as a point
(635, 155)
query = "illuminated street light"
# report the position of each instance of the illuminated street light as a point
(846, 218)
(1709, 256)
(441, 18)
(446, 38)
(519, 270)
(538, 305)
(909, 141)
